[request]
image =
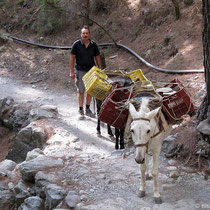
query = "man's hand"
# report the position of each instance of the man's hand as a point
(72, 75)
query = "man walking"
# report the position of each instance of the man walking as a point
(84, 54)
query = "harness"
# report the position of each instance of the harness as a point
(147, 143)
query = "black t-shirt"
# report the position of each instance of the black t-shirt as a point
(84, 56)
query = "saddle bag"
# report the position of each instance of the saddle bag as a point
(177, 104)
(113, 110)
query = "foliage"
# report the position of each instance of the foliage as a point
(101, 6)
(2, 2)
(50, 19)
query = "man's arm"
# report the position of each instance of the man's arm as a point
(98, 61)
(72, 63)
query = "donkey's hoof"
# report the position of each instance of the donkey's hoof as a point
(148, 177)
(141, 194)
(112, 137)
(116, 147)
(158, 200)
(99, 135)
(122, 147)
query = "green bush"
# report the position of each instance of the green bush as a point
(50, 16)
(101, 6)
(2, 2)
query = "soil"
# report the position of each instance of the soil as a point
(41, 75)
(105, 178)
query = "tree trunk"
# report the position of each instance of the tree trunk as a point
(205, 106)
(177, 10)
(87, 20)
(206, 45)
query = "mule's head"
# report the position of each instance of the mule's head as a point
(142, 128)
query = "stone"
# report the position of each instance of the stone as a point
(28, 169)
(72, 199)
(6, 197)
(168, 186)
(204, 127)
(34, 153)
(172, 162)
(40, 113)
(7, 165)
(27, 139)
(174, 174)
(34, 202)
(43, 179)
(54, 195)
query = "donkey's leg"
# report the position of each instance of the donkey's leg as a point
(148, 177)
(109, 130)
(117, 135)
(98, 105)
(122, 131)
(143, 180)
(98, 128)
(155, 173)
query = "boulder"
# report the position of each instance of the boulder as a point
(54, 195)
(204, 127)
(34, 202)
(28, 169)
(27, 139)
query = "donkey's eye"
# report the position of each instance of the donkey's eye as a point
(148, 131)
(132, 131)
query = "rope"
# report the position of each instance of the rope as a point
(122, 107)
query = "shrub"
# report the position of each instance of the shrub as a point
(50, 16)
(103, 6)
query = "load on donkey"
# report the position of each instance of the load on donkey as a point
(147, 109)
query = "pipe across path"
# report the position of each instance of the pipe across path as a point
(106, 45)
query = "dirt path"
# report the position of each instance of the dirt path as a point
(102, 177)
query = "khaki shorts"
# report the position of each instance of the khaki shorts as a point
(79, 82)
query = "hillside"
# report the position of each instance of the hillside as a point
(149, 28)
(98, 176)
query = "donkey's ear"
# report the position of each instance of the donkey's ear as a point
(132, 110)
(153, 113)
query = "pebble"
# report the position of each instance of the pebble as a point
(168, 186)
(174, 174)
(171, 168)
(10, 185)
(172, 162)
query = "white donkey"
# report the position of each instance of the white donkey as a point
(146, 136)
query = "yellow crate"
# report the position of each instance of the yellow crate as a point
(137, 74)
(96, 84)
(94, 71)
(98, 88)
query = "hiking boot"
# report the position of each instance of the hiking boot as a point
(89, 113)
(82, 116)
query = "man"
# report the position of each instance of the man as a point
(84, 54)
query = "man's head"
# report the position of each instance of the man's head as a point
(85, 33)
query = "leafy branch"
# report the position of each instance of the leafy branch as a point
(80, 15)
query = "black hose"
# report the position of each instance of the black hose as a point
(39, 45)
(150, 65)
(112, 44)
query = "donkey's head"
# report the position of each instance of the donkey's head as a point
(142, 128)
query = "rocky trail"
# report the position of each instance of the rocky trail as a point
(101, 177)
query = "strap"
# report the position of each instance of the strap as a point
(141, 118)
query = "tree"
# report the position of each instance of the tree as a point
(176, 8)
(204, 111)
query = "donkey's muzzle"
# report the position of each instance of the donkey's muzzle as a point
(140, 161)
